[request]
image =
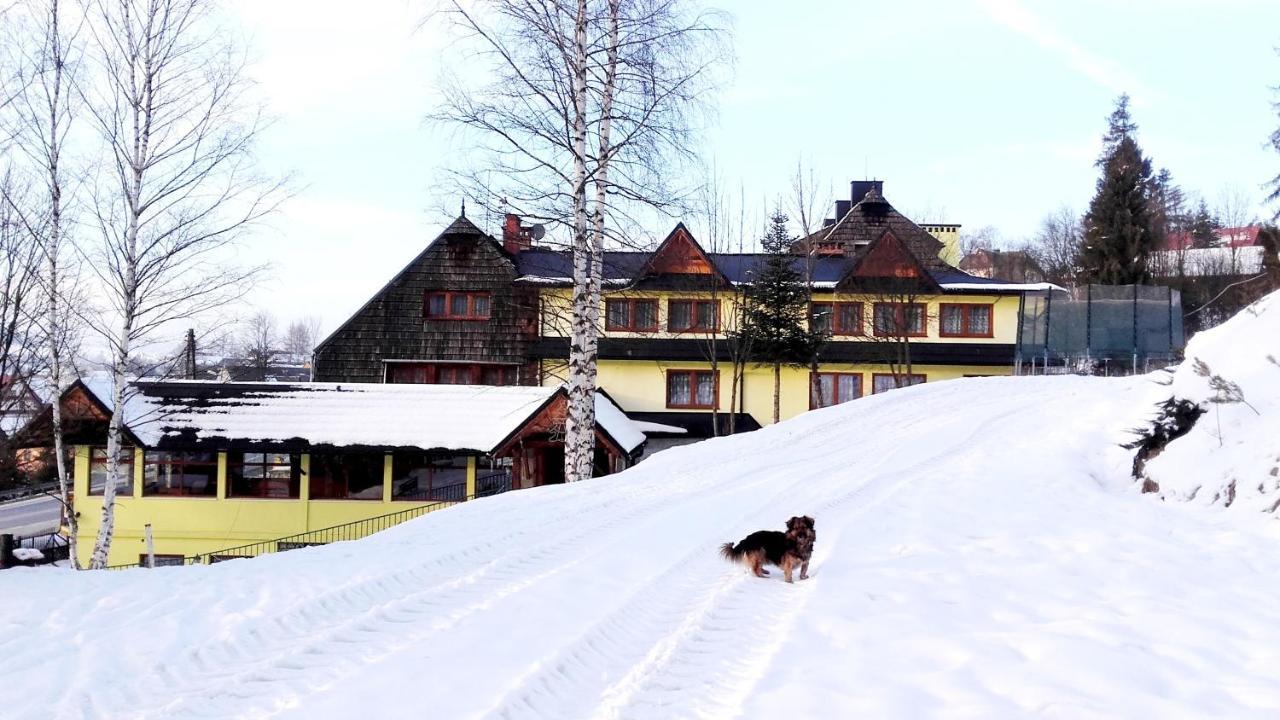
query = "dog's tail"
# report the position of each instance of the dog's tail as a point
(730, 553)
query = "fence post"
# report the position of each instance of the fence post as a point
(151, 545)
(6, 551)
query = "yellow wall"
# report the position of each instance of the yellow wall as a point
(192, 526)
(555, 315)
(949, 235)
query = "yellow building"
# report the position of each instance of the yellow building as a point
(228, 470)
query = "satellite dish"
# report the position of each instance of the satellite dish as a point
(537, 231)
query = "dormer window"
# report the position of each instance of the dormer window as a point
(457, 306)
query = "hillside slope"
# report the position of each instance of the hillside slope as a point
(982, 552)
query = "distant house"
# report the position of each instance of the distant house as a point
(1012, 265)
(1236, 237)
(215, 467)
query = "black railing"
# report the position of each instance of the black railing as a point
(493, 483)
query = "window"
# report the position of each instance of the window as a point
(834, 388)
(693, 315)
(98, 471)
(966, 320)
(265, 475)
(883, 383)
(841, 318)
(457, 306)
(163, 560)
(352, 476)
(696, 389)
(631, 315)
(452, 374)
(192, 474)
(893, 319)
(417, 476)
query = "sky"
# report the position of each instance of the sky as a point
(978, 112)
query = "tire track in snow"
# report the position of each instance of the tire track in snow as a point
(307, 648)
(670, 637)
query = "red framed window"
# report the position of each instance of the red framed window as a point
(966, 320)
(457, 306)
(185, 474)
(899, 319)
(693, 389)
(452, 374)
(346, 476)
(884, 382)
(263, 475)
(631, 315)
(98, 471)
(836, 318)
(423, 477)
(829, 389)
(693, 315)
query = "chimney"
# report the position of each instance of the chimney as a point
(189, 355)
(842, 208)
(858, 189)
(515, 238)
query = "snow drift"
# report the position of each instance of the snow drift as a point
(981, 552)
(1231, 455)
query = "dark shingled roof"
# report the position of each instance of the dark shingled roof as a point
(868, 219)
(623, 266)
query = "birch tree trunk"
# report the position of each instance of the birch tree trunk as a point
(579, 443)
(777, 392)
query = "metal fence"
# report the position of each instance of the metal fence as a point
(1099, 329)
(491, 483)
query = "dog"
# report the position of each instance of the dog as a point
(784, 549)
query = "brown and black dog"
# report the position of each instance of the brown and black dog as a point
(784, 549)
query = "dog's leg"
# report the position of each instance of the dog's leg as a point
(757, 560)
(787, 563)
(804, 570)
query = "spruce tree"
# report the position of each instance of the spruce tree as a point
(1119, 234)
(1202, 228)
(777, 304)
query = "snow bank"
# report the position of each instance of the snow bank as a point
(981, 553)
(1231, 456)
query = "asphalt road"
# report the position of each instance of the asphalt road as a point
(33, 516)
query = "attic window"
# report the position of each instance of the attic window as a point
(457, 306)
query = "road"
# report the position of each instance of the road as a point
(33, 516)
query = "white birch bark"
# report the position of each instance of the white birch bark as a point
(579, 443)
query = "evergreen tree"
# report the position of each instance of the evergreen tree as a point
(777, 304)
(1119, 234)
(1168, 205)
(1202, 228)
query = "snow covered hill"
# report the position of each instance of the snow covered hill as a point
(982, 552)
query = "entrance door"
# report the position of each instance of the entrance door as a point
(553, 466)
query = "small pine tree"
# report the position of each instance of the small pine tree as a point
(1202, 228)
(777, 305)
(1119, 233)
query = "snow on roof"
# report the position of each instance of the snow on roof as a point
(1001, 286)
(653, 427)
(448, 417)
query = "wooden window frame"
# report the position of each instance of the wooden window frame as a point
(693, 389)
(923, 379)
(94, 462)
(965, 309)
(899, 319)
(448, 314)
(813, 379)
(632, 315)
(430, 372)
(234, 464)
(836, 327)
(181, 463)
(693, 316)
(346, 496)
(443, 493)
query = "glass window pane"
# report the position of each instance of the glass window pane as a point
(646, 314)
(820, 317)
(980, 319)
(678, 391)
(678, 313)
(435, 305)
(706, 389)
(616, 313)
(706, 315)
(952, 320)
(849, 321)
(849, 387)
(481, 303)
(883, 383)
(458, 305)
(884, 319)
(826, 386)
(915, 318)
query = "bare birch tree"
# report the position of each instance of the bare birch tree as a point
(301, 337)
(261, 343)
(40, 123)
(178, 132)
(589, 105)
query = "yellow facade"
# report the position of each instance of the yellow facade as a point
(640, 385)
(198, 525)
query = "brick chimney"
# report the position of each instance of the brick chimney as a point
(515, 237)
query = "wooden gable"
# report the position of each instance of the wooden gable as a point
(680, 254)
(548, 423)
(888, 262)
